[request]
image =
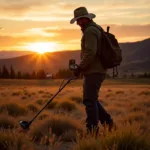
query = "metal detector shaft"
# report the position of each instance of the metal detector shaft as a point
(69, 80)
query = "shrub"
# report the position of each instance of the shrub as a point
(41, 91)
(135, 116)
(32, 107)
(40, 102)
(23, 97)
(119, 92)
(16, 93)
(13, 109)
(6, 122)
(128, 138)
(14, 141)
(52, 105)
(144, 93)
(59, 126)
(76, 99)
(67, 106)
(43, 116)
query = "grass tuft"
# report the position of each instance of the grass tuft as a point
(119, 92)
(40, 102)
(59, 126)
(32, 107)
(13, 109)
(144, 93)
(67, 106)
(76, 99)
(14, 141)
(52, 105)
(124, 139)
(7, 122)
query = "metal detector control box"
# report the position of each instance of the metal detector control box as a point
(72, 64)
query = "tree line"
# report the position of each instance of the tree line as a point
(10, 73)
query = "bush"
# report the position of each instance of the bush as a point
(6, 122)
(32, 107)
(16, 93)
(52, 105)
(13, 109)
(59, 126)
(67, 106)
(119, 92)
(76, 99)
(145, 93)
(14, 141)
(128, 138)
(40, 102)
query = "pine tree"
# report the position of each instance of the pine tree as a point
(19, 75)
(0, 73)
(12, 73)
(5, 73)
(33, 76)
(41, 74)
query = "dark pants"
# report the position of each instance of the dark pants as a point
(94, 110)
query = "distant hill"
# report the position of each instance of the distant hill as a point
(12, 54)
(50, 62)
(136, 58)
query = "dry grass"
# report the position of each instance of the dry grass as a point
(14, 141)
(59, 126)
(76, 99)
(127, 103)
(13, 109)
(126, 138)
(7, 122)
(67, 105)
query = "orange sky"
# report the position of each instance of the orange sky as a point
(24, 22)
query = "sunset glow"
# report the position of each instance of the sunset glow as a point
(25, 22)
(42, 47)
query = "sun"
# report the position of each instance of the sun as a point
(42, 47)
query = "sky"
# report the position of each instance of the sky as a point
(33, 24)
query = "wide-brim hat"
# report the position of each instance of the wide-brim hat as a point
(81, 12)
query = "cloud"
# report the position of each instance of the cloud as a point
(72, 36)
(122, 31)
(56, 10)
(20, 7)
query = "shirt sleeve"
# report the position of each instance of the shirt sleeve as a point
(90, 50)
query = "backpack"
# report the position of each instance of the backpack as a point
(110, 53)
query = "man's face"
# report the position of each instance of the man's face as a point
(82, 22)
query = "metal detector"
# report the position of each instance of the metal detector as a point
(25, 124)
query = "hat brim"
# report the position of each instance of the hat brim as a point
(90, 16)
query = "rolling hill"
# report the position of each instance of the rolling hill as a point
(136, 58)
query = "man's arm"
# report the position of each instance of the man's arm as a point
(90, 48)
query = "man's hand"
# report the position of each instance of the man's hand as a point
(77, 71)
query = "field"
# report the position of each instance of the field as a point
(61, 125)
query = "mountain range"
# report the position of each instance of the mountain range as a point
(136, 58)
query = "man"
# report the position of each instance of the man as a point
(92, 70)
